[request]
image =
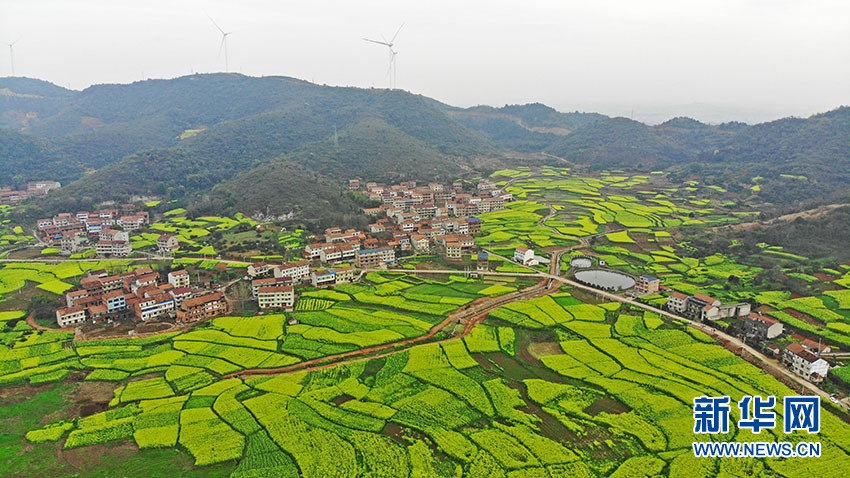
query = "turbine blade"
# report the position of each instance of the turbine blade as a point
(216, 24)
(396, 33)
(378, 42)
(221, 45)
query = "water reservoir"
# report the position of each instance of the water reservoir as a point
(581, 262)
(606, 280)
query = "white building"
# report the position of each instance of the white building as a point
(178, 278)
(114, 248)
(525, 256)
(70, 316)
(804, 363)
(676, 302)
(297, 271)
(276, 297)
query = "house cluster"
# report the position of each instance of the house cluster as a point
(801, 356)
(417, 216)
(34, 189)
(411, 201)
(75, 232)
(140, 296)
(704, 308)
(273, 285)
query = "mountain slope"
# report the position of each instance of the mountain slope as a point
(181, 138)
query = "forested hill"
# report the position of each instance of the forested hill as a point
(211, 135)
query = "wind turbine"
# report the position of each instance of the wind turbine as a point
(223, 44)
(12, 54)
(391, 71)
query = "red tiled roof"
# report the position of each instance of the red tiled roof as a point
(273, 289)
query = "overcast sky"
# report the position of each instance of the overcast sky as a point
(717, 60)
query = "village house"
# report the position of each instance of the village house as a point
(761, 327)
(646, 285)
(179, 294)
(209, 305)
(268, 282)
(323, 278)
(344, 275)
(276, 297)
(114, 248)
(72, 242)
(179, 278)
(298, 271)
(708, 309)
(155, 306)
(482, 262)
(134, 295)
(42, 187)
(166, 244)
(68, 316)
(260, 269)
(676, 302)
(372, 258)
(420, 243)
(525, 256)
(804, 363)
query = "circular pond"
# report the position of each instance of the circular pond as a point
(608, 280)
(581, 262)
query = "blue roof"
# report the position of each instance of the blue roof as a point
(473, 219)
(649, 278)
(364, 251)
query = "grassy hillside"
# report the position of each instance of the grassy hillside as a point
(182, 137)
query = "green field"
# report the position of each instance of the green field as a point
(607, 395)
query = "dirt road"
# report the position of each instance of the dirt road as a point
(468, 315)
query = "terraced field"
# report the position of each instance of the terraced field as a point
(641, 225)
(551, 386)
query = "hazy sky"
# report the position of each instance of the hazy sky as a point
(715, 59)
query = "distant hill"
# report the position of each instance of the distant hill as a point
(210, 136)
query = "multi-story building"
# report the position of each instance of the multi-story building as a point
(260, 269)
(454, 251)
(268, 282)
(420, 243)
(131, 223)
(166, 244)
(69, 316)
(676, 302)
(804, 363)
(646, 285)
(525, 256)
(298, 271)
(179, 278)
(344, 275)
(209, 305)
(338, 254)
(761, 327)
(276, 297)
(180, 294)
(708, 309)
(72, 242)
(113, 235)
(323, 278)
(114, 248)
(159, 305)
(371, 258)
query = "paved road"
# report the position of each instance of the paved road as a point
(766, 362)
